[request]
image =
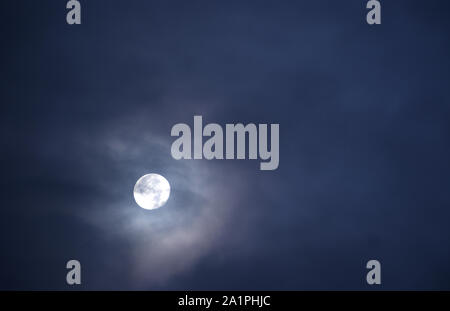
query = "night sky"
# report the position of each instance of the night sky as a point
(364, 168)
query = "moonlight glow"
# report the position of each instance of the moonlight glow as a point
(151, 191)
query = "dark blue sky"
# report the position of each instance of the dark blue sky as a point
(364, 144)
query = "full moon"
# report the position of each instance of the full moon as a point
(151, 191)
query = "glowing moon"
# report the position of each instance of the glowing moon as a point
(151, 191)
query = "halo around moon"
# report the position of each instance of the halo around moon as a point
(151, 191)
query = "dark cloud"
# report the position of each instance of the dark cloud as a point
(363, 113)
